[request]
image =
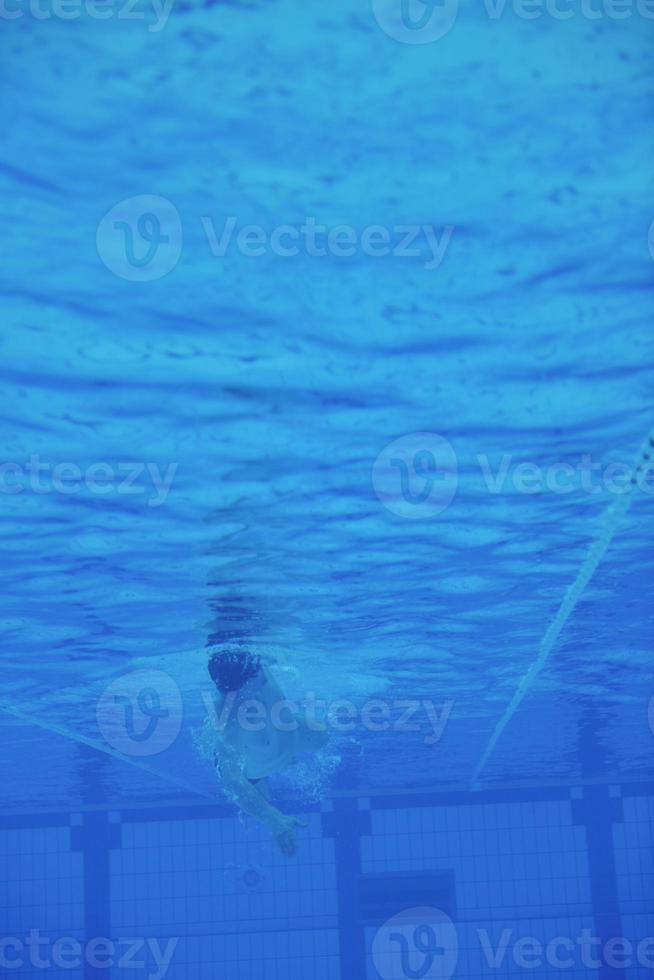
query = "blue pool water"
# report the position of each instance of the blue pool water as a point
(374, 438)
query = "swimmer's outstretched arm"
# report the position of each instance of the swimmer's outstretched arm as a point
(252, 801)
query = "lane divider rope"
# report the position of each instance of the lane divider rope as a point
(101, 747)
(613, 518)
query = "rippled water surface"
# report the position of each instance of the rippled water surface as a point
(266, 387)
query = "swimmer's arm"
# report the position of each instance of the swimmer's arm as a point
(247, 796)
(253, 802)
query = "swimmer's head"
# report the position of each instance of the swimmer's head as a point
(231, 669)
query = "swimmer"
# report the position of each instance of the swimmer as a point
(259, 735)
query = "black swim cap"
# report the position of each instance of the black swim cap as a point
(231, 669)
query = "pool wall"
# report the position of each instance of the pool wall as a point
(500, 870)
